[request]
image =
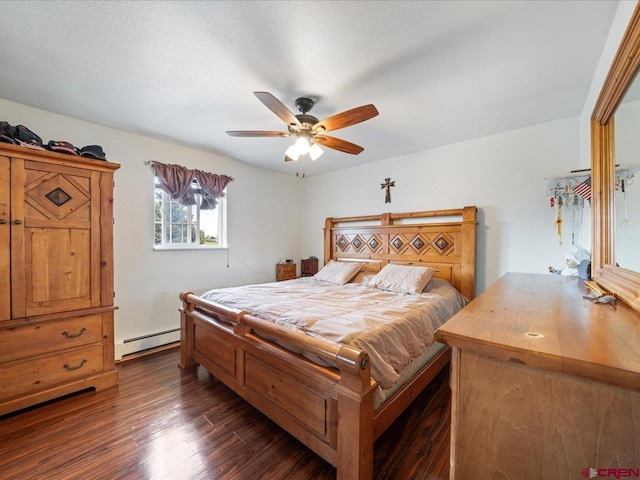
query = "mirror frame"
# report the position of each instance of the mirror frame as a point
(623, 283)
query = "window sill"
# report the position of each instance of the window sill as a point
(175, 248)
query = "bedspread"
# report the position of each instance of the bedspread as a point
(393, 328)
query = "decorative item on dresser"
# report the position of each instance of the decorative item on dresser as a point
(285, 271)
(56, 275)
(308, 267)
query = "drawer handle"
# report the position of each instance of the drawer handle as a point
(74, 335)
(70, 368)
(2, 221)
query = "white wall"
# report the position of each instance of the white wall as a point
(501, 174)
(264, 226)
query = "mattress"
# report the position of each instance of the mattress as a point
(395, 329)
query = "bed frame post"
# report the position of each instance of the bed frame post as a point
(186, 333)
(468, 267)
(328, 225)
(355, 416)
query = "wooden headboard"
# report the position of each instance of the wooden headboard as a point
(444, 240)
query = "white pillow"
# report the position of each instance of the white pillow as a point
(338, 272)
(402, 278)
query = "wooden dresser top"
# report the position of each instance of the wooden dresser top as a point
(543, 321)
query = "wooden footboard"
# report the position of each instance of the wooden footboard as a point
(328, 409)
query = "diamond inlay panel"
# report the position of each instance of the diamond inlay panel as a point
(58, 196)
(360, 243)
(442, 243)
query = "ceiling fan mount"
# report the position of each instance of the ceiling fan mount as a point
(307, 127)
(304, 104)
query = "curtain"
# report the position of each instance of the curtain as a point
(177, 181)
(212, 186)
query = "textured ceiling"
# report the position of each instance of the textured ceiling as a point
(438, 72)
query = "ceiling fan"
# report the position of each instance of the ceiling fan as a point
(307, 129)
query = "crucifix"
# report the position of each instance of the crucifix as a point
(387, 186)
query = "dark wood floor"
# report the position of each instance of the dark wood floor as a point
(165, 423)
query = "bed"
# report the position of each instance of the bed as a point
(319, 390)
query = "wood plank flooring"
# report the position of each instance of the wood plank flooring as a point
(161, 422)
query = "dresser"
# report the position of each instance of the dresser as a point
(545, 384)
(56, 275)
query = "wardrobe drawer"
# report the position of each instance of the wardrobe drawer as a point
(19, 378)
(36, 339)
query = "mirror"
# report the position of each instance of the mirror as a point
(623, 282)
(627, 181)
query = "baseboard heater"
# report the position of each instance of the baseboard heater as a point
(145, 342)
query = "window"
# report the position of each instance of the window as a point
(188, 226)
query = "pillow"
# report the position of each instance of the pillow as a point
(363, 277)
(402, 278)
(338, 272)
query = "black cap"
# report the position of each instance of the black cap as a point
(93, 151)
(8, 133)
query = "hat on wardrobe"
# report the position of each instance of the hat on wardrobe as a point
(62, 147)
(93, 151)
(8, 133)
(27, 138)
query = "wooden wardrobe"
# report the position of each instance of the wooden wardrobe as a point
(56, 275)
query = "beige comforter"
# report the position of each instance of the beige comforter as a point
(393, 328)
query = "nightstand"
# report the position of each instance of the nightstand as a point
(285, 271)
(308, 267)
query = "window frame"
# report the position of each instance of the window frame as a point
(222, 222)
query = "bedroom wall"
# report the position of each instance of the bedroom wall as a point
(501, 174)
(264, 224)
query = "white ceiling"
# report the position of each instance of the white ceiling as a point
(439, 72)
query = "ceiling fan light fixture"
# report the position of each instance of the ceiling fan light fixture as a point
(302, 145)
(315, 151)
(307, 131)
(292, 152)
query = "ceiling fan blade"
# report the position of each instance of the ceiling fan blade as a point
(277, 107)
(287, 158)
(337, 144)
(346, 119)
(256, 133)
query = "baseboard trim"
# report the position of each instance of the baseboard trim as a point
(140, 344)
(150, 351)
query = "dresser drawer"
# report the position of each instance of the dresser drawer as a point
(19, 378)
(45, 337)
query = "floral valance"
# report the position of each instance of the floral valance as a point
(183, 184)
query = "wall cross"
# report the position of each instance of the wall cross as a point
(387, 186)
